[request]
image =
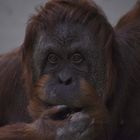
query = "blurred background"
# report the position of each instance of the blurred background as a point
(15, 13)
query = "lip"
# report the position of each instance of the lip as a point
(64, 112)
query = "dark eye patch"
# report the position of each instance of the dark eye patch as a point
(52, 58)
(77, 58)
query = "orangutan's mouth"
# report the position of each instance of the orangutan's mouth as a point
(65, 113)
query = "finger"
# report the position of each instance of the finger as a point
(54, 110)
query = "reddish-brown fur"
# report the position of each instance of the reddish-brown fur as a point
(17, 92)
(131, 17)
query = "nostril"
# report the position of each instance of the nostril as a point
(65, 82)
(68, 82)
(65, 78)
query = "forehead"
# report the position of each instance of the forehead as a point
(68, 35)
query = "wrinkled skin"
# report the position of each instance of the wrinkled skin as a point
(78, 126)
(74, 77)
